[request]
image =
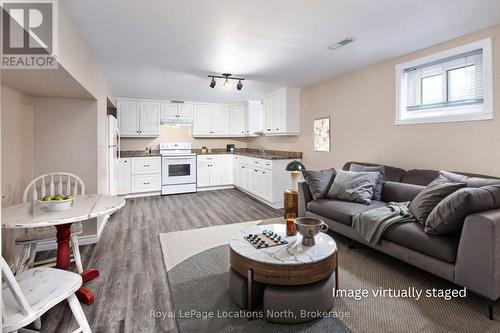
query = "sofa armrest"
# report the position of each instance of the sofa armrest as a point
(304, 197)
(478, 258)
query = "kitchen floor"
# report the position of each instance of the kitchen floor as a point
(133, 278)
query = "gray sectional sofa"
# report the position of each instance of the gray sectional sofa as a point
(471, 259)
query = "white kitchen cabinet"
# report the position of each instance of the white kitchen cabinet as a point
(203, 174)
(238, 119)
(128, 117)
(123, 176)
(150, 119)
(282, 112)
(138, 118)
(202, 124)
(210, 170)
(176, 113)
(227, 169)
(254, 120)
(220, 119)
(168, 112)
(136, 175)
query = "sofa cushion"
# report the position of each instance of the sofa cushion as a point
(319, 182)
(391, 173)
(448, 216)
(340, 211)
(412, 235)
(400, 192)
(425, 177)
(445, 176)
(354, 186)
(377, 191)
(429, 198)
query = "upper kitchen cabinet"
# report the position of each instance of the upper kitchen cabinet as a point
(282, 112)
(254, 120)
(237, 114)
(176, 113)
(211, 120)
(138, 118)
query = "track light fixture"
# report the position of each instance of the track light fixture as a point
(227, 83)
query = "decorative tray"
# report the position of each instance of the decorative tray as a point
(265, 239)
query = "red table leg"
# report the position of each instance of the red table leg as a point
(64, 261)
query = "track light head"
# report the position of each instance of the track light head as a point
(213, 83)
(239, 85)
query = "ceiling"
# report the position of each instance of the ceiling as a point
(166, 48)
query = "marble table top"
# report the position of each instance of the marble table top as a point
(293, 253)
(36, 214)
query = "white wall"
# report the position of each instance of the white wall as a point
(361, 106)
(65, 138)
(17, 156)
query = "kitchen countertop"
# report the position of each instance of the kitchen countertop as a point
(250, 152)
(267, 155)
(138, 153)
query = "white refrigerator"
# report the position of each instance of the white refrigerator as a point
(113, 154)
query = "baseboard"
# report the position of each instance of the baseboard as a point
(52, 245)
(138, 195)
(275, 205)
(213, 188)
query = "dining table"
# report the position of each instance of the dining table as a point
(84, 208)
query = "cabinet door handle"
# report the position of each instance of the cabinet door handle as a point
(268, 129)
(146, 183)
(277, 129)
(146, 165)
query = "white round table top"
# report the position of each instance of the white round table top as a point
(293, 253)
(36, 214)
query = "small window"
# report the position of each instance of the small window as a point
(454, 85)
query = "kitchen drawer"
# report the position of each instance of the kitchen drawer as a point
(209, 158)
(146, 165)
(145, 183)
(261, 163)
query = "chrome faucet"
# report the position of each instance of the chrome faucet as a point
(261, 149)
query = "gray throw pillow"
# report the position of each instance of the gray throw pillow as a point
(354, 186)
(430, 197)
(448, 216)
(450, 177)
(319, 182)
(377, 193)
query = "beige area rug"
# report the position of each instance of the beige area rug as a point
(178, 246)
(364, 269)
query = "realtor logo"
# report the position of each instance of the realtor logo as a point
(29, 34)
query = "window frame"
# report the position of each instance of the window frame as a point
(471, 112)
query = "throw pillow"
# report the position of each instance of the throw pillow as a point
(448, 216)
(319, 182)
(430, 197)
(377, 193)
(354, 186)
(447, 177)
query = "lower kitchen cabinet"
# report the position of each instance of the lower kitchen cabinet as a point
(138, 175)
(214, 170)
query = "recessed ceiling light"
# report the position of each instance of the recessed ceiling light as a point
(338, 45)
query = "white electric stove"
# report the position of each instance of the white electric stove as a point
(178, 170)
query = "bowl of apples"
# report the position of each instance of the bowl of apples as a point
(57, 202)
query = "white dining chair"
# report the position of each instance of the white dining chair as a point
(49, 184)
(36, 291)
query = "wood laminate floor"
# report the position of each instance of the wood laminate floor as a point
(133, 280)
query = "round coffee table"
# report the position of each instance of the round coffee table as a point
(291, 264)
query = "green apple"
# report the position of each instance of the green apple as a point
(47, 198)
(69, 196)
(58, 197)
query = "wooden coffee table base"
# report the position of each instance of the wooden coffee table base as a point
(285, 275)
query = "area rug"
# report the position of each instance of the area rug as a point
(200, 282)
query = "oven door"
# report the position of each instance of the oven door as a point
(178, 170)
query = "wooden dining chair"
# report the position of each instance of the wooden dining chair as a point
(36, 291)
(49, 184)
